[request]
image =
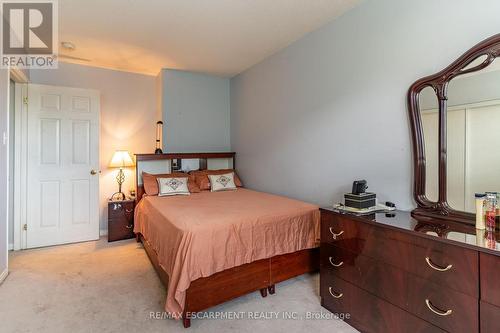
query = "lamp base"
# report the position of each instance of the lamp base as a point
(118, 196)
(158, 151)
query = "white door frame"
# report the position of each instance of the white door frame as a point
(20, 156)
(21, 81)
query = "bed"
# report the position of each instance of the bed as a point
(210, 247)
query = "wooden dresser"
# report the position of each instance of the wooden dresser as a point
(397, 274)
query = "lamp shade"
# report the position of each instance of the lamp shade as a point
(121, 159)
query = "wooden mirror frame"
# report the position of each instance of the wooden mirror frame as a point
(490, 49)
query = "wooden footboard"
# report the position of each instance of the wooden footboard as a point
(218, 288)
(287, 266)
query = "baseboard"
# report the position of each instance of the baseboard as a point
(103, 232)
(3, 275)
(11, 246)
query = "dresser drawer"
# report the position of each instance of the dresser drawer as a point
(448, 309)
(121, 210)
(382, 280)
(401, 288)
(451, 266)
(335, 229)
(335, 294)
(490, 318)
(490, 279)
(366, 312)
(120, 229)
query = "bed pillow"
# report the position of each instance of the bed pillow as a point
(172, 186)
(222, 182)
(151, 184)
(203, 182)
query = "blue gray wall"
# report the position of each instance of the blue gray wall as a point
(195, 110)
(331, 108)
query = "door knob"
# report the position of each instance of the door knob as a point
(93, 172)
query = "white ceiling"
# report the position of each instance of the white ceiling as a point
(221, 37)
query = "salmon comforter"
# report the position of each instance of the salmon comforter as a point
(204, 233)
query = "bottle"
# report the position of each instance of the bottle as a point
(491, 204)
(491, 242)
(497, 215)
(480, 199)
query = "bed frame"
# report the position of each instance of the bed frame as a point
(223, 286)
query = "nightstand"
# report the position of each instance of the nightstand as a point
(120, 220)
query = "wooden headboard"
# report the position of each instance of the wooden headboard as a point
(162, 163)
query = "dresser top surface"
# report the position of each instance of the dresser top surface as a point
(455, 233)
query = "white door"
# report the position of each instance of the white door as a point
(63, 155)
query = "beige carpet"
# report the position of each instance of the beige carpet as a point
(112, 287)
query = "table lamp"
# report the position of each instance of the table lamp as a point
(121, 159)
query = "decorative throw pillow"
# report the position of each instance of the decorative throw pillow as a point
(222, 182)
(173, 186)
(203, 182)
(150, 182)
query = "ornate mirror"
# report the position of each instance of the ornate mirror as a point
(455, 124)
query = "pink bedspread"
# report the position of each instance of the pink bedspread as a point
(205, 233)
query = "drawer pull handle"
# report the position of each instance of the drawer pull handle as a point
(129, 226)
(436, 310)
(334, 295)
(437, 268)
(335, 265)
(129, 210)
(335, 235)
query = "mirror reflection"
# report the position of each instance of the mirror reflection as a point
(473, 136)
(476, 62)
(430, 123)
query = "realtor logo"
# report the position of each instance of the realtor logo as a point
(29, 34)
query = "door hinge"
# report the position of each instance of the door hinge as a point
(25, 227)
(25, 100)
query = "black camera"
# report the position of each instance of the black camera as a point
(359, 186)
